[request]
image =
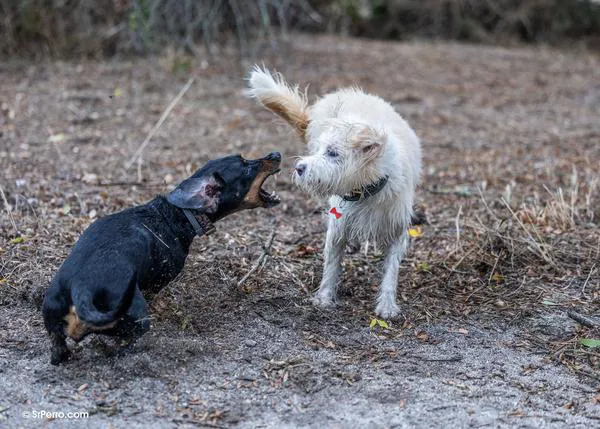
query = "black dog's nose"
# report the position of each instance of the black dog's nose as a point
(300, 168)
(273, 156)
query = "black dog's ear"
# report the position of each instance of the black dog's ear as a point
(197, 193)
(219, 179)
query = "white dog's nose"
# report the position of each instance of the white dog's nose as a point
(300, 168)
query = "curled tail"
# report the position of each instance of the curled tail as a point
(90, 314)
(279, 97)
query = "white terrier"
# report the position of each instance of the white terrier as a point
(366, 159)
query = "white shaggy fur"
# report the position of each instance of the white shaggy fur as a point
(354, 139)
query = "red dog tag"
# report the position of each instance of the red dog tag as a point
(335, 213)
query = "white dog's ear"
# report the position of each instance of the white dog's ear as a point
(199, 193)
(369, 143)
(280, 98)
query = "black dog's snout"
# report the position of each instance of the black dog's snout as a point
(273, 156)
(300, 168)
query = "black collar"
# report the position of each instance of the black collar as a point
(201, 223)
(366, 191)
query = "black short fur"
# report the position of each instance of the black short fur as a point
(99, 286)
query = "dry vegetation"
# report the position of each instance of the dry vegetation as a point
(510, 188)
(98, 28)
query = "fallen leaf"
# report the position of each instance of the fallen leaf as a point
(56, 138)
(421, 336)
(90, 178)
(17, 240)
(303, 251)
(415, 232)
(383, 324)
(498, 278)
(185, 322)
(373, 323)
(423, 267)
(592, 343)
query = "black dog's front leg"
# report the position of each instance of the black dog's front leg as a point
(136, 321)
(133, 324)
(59, 350)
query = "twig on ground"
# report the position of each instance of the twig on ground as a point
(260, 259)
(494, 268)
(588, 279)
(140, 177)
(296, 279)
(199, 423)
(517, 289)
(455, 358)
(158, 124)
(9, 211)
(584, 320)
(537, 245)
(457, 222)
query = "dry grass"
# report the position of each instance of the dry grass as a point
(100, 28)
(510, 186)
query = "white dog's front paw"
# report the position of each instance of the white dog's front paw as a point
(387, 309)
(323, 300)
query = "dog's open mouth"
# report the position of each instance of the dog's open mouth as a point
(268, 199)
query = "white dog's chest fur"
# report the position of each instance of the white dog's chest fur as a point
(384, 216)
(378, 219)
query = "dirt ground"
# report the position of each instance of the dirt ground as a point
(485, 341)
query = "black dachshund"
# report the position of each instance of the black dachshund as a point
(98, 287)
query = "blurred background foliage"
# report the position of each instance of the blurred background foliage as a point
(65, 28)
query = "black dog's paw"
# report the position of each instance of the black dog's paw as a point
(59, 355)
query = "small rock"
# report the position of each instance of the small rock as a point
(250, 343)
(90, 178)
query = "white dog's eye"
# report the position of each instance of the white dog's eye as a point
(332, 153)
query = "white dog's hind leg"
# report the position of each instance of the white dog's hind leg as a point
(387, 307)
(332, 266)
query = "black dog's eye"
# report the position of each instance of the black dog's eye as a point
(332, 153)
